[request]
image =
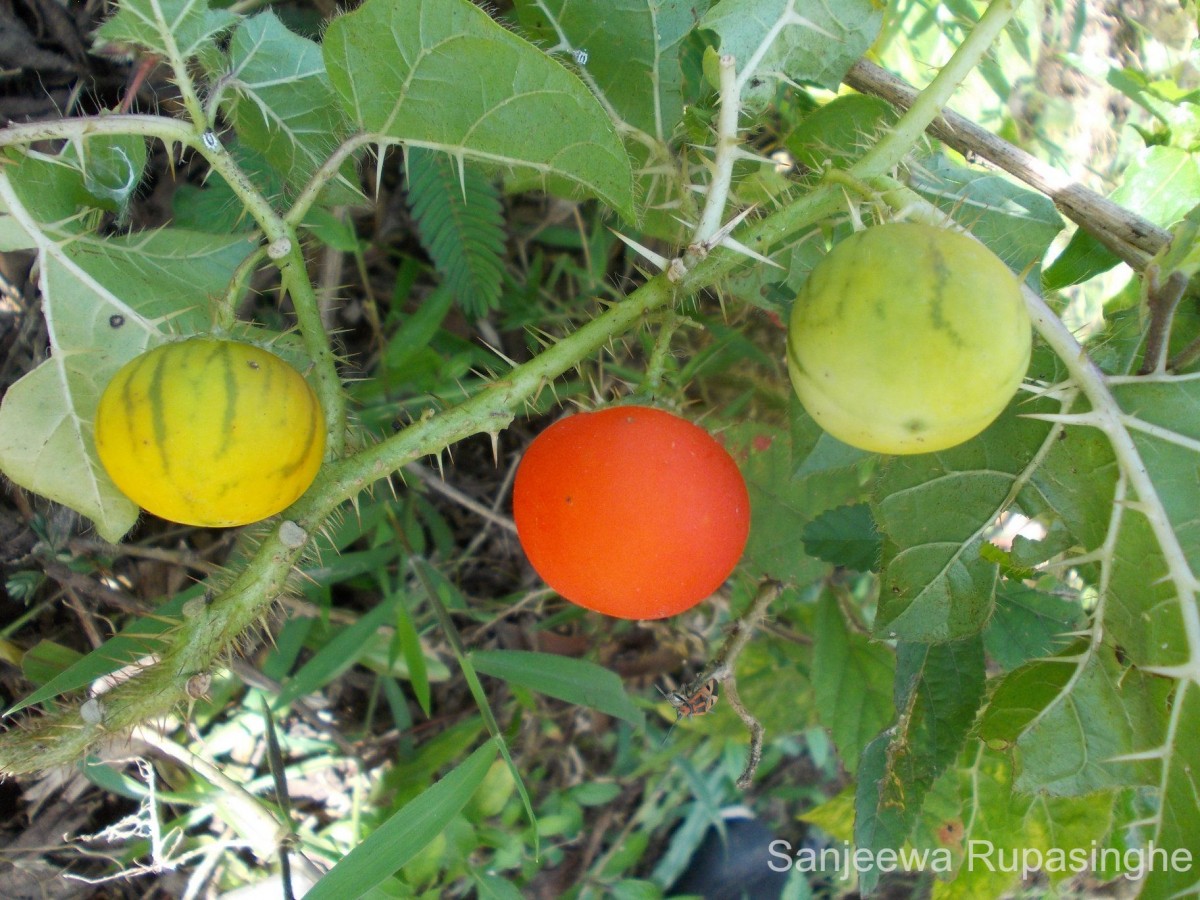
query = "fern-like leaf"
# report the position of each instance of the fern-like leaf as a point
(460, 227)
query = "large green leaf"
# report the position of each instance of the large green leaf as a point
(105, 300)
(414, 73)
(1080, 724)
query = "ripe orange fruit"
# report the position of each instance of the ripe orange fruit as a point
(631, 511)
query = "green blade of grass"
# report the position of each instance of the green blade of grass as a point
(574, 680)
(406, 832)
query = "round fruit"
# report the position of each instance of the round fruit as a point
(908, 339)
(210, 432)
(631, 511)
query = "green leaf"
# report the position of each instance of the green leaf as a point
(1015, 223)
(632, 48)
(845, 536)
(45, 661)
(934, 510)
(337, 655)
(800, 40)
(460, 227)
(839, 132)
(782, 505)
(993, 815)
(573, 680)
(282, 104)
(852, 680)
(111, 166)
(1103, 712)
(1176, 822)
(1067, 824)
(939, 688)
(406, 832)
(396, 67)
(1028, 624)
(105, 301)
(167, 27)
(1161, 185)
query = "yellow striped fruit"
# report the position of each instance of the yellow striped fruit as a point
(210, 432)
(908, 338)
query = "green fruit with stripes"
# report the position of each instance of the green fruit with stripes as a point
(210, 432)
(908, 338)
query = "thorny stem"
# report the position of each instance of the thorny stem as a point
(726, 153)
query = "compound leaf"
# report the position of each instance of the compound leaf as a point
(460, 227)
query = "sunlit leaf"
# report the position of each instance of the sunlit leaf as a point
(796, 40)
(168, 28)
(396, 65)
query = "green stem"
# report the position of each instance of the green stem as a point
(316, 342)
(895, 144)
(183, 78)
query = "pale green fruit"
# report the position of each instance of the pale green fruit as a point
(908, 339)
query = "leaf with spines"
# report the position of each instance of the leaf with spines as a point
(632, 46)
(167, 27)
(457, 213)
(278, 95)
(395, 64)
(934, 511)
(990, 206)
(1073, 721)
(797, 40)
